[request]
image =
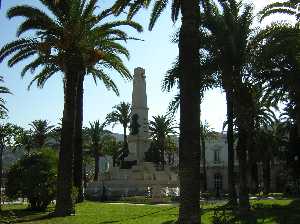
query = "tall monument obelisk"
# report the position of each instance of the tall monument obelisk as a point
(138, 139)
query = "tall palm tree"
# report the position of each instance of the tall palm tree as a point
(75, 40)
(96, 135)
(264, 118)
(160, 128)
(41, 130)
(189, 82)
(231, 49)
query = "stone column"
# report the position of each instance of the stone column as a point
(138, 139)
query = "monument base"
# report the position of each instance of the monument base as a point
(137, 181)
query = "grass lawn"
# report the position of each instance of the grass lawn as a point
(271, 211)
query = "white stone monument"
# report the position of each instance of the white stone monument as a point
(140, 176)
(138, 139)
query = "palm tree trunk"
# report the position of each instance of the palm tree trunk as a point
(125, 150)
(78, 140)
(254, 178)
(253, 171)
(40, 141)
(96, 171)
(125, 134)
(84, 176)
(64, 201)
(189, 140)
(245, 123)
(230, 141)
(203, 160)
(266, 176)
(297, 109)
(243, 106)
(244, 204)
(162, 152)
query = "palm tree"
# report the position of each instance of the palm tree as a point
(189, 82)
(3, 90)
(264, 118)
(76, 41)
(278, 63)
(41, 130)
(160, 128)
(97, 135)
(231, 49)
(288, 7)
(120, 114)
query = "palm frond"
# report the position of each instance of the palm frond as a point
(159, 7)
(176, 5)
(107, 81)
(43, 76)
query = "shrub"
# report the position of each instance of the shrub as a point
(34, 177)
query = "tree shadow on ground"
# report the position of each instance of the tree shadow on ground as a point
(141, 216)
(282, 214)
(170, 222)
(259, 214)
(23, 215)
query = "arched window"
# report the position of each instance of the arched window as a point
(218, 182)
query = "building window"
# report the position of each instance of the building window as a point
(218, 182)
(217, 156)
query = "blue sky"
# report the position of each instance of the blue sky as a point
(156, 54)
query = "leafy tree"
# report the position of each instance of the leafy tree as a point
(171, 149)
(116, 149)
(153, 154)
(160, 128)
(34, 177)
(75, 40)
(24, 140)
(189, 83)
(7, 134)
